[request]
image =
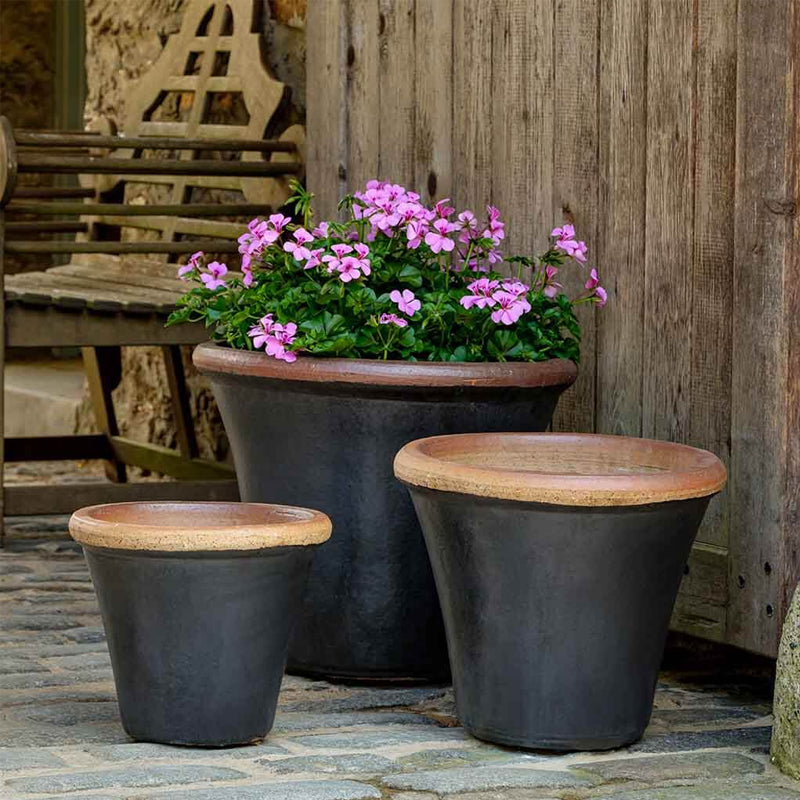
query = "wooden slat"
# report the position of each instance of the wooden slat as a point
(620, 250)
(666, 388)
(164, 461)
(153, 166)
(433, 120)
(576, 182)
(64, 499)
(75, 292)
(57, 448)
(49, 139)
(712, 274)
(764, 495)
(49, 326)
(395, 71)
(702, 601)
(93, 286)
(522, 134)
(114, 273)
(46, 227)
(132, 210)
(211, 246)
(473, 94)
(184, 225)
(363, 95)
(327, 153)
(33, 192)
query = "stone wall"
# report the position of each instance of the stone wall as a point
(123, 40)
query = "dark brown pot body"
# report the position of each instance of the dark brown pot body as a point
(323, 433)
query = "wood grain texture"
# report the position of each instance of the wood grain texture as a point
(712, 269)
(363, 92)
(763, 265)
(473, 100)
(576, 180)
(666, 387)
(433, 119)
(396, 76)
(621, 230)
(325, 120)
(522, 128)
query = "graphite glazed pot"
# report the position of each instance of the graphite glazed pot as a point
(323, 433)
(197, 601)
(557, 559)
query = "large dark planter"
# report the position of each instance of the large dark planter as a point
(557, 560)
(323, 433)
(197, 601)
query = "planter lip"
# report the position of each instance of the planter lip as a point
(197, 526)
(216, 358)
(565, 469)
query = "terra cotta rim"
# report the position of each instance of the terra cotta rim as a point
(210, 357)
(561, 468)
(191, 526)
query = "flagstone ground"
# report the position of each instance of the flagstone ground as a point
(60, 737)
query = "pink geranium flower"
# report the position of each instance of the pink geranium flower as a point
(281, 336)
(213, 279)
(392, 319)
(260, 332)
(297, 248)
(415, 233)
(279, 221)
(551, 287)
(192, 264)
(482, 294)
(442, 209)
(515, 287)
(437, 239)
(406, 302)
(334, 262)
(601, 296)
(510, 307)
(314, 259)
(593, 281)
(321, 231)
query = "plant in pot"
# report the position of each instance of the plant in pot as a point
(338, 343)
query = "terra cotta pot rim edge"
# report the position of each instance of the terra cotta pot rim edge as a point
(216, 358)
(238, 526)
(468, 464)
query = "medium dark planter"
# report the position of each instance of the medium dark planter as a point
(197, 601)
(557, 559)
(323, 433)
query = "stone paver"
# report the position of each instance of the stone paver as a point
(61, 739)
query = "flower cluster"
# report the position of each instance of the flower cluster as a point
(396, 280)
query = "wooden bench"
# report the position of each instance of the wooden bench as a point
(120, 282)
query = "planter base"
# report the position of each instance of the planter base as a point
(557, 745)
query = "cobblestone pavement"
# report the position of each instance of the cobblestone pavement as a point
(60, 736)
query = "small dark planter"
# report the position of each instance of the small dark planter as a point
(323, 433)
(197, 601)
(557, 559)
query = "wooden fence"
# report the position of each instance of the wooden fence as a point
(668, 131)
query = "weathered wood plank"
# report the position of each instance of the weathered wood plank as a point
(472, 100)
(64, 499)
(395, 70)
(522, 132)
(621, 229)
(666, 389)
(48, 326)
(763, 492)
(164, 461)
(712, 273)
(576, 181)
(363, 92)
(433, 122)
(701, 606)
(327, 155)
